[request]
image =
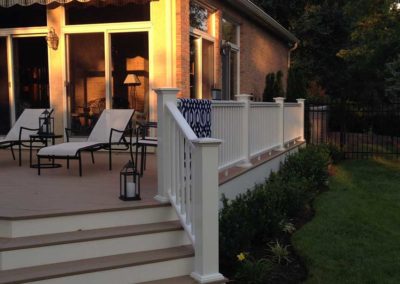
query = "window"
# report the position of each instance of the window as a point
(202, 63)
(19, 16)
(78, 13)
(230, 60)
(4, 97)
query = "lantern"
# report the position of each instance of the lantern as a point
(46, 123)
(129, 188)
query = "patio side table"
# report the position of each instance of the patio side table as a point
(43, 138)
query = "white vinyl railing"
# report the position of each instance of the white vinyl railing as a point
(227, 125)
(248, 129)
(187, 169)
(293, 117)
(264, 128)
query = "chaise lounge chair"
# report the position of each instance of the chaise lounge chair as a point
(26, 125)
(108, 131)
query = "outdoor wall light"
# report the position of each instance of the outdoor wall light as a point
(129, 183)
(52, 39)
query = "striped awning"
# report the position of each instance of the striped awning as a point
(9, 3)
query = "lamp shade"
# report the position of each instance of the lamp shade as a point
(132, 79)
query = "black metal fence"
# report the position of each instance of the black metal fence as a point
(359, 131)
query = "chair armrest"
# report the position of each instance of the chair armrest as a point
(25, 128)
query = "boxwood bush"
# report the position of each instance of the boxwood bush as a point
(257, 217)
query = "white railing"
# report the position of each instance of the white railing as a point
(264, 128)
(293, 115)
(227, 125)
(248, 129)
(188, 179)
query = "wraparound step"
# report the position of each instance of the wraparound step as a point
(62, 247)
(180, 280)
(125, 268)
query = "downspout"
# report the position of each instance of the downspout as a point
(295, 46)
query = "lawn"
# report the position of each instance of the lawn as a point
(355, 234)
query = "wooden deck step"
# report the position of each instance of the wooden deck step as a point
(180, 280)
(7, 244)
(86, 266)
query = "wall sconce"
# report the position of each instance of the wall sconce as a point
(52, 39)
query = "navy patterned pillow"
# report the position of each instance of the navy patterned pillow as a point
(198, 115)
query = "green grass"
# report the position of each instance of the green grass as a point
(355, 234)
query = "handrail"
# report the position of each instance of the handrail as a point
(263, 104)
(179, 119)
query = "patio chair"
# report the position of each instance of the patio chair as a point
(108, 131)
(26, 125)
(142, 142)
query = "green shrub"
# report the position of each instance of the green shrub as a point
(252, 271)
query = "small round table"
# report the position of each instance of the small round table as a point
(44, 139)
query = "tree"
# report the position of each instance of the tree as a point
(392, 80)
(268, 94)
(296, 85)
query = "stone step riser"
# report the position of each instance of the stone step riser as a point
(69, 223)
(129, 275)
(90, 249)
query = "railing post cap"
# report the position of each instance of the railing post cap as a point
(207, 141)
(300, 100)
(244, 96)
(166, 90)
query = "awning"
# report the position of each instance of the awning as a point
(9, 3)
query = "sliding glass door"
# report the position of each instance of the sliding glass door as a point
(31, 76)
(86, 81)
(4, 87)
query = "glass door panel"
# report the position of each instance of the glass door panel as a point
(31, 73)
(207, 68)
(130, 71)
(194, 67)
(4, 96)
(86, 81)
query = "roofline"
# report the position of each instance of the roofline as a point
(265, 19)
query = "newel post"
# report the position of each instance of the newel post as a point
(301, 103)
(164, 95)
(246, 130)
(281, 122)
(206, 201)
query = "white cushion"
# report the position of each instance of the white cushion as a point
(30, 119)
(69, 149)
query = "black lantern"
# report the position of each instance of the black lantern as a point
(46, 122)
(129, 188)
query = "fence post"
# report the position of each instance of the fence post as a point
(206, 202)
(246, 130)
(301, 103)
(281, 122)
(164, 95)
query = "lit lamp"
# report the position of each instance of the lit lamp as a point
(129, 188)
(132, 80)
(46, 122)
(52, 39)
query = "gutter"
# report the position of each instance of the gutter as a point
(263, 18)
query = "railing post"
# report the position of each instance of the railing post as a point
(246, 130)
(301, 103)
(164, 95)
(281, 122)
(206, 200)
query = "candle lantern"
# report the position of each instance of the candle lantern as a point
(129, 183)
(46, 122)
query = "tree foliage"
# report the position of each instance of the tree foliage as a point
(347, 47)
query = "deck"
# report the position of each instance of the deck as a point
(61, 191)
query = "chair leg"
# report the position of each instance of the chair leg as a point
(143, 148)
(19, 154)
(109, 159)
(12, 153)
(80, 165)
(38, 166)
(91, 153)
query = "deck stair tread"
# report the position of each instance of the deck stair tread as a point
(7, 244)
(180, 280)
(42, 272)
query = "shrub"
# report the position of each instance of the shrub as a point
(260, 216)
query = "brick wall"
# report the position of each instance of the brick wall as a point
(261, 52)
(182, 47)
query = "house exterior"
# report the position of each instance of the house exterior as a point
(75, 56)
